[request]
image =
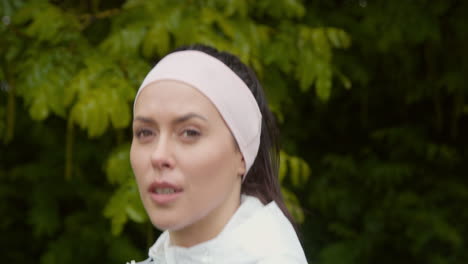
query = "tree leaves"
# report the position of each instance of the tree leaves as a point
(42, 79)
(388, 178)
(97, 107)
(118, 168)
(125, 203)
(281, 9)
(156, 41)
(44, 215)
(48, 23)
(124, 42)
(315, 66)
(103, 94)
(79, 66)
(298, 172)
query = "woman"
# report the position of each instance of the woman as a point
(205, 157)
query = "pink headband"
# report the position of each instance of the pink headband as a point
(230, 95)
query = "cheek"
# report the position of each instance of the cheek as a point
(217, 157)
(210, 172)
(137, 161)
(134, 153)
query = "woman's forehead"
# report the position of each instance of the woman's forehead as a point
(173, 98)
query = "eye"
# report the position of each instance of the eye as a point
(190, 133)
(143, 133)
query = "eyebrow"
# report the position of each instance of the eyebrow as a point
(175, 121)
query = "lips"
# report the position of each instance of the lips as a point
(164, 193)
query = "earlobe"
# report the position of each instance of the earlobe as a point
(241, 170)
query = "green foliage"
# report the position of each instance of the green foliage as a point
(75, 69)
(125, 203)
(315, 66)
(375, 173)
(297, 171)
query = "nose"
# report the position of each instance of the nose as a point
(162, 155)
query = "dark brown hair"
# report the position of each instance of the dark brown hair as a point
(262, 179)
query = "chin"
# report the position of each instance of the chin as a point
(166, 224)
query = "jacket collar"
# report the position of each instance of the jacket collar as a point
(252, 234)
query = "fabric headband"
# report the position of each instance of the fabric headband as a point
(230, 95)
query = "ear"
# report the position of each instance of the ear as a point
(241, 169)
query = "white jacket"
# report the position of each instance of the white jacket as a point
(256, 234)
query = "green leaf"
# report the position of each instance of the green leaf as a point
(118, 168)
(29, 11)
(39, 109)
(324, 84)
(156, 41)
(90, 112)
(125, 41)
(344, 80)
(240, 7)
(103, 94)
(280, 9)
(297, 169)
(118, 109)
(136, 213)
(114, 211)
(44, 215)
(306, 70)
(293, 205)
(52, 24)
(123, 205)
(338, 38)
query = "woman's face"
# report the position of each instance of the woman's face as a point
(185, 160)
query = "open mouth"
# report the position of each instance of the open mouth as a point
(164, 193)
(165, 190)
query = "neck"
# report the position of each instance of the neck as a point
(209, 226)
